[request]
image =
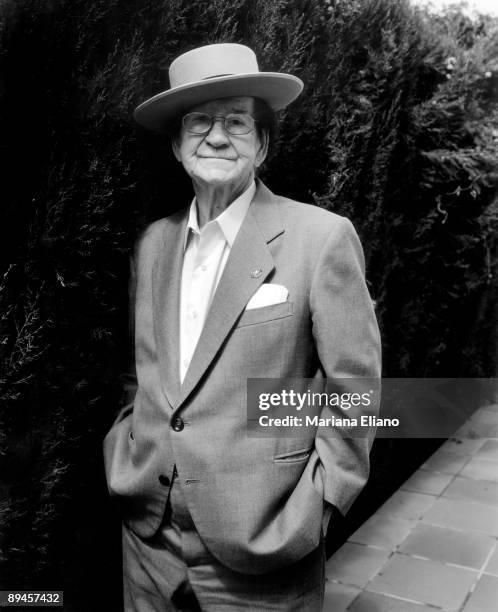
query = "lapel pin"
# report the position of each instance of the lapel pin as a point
(256, 273)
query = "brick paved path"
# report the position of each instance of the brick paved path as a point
(434, 544)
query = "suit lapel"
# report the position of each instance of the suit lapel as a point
(247, 267)
(166, 289)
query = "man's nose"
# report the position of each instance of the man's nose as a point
(217, 135)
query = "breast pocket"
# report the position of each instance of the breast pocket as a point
(265, 314)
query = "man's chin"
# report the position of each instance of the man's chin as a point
(216, 178)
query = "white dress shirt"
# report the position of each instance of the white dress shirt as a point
(205, 255)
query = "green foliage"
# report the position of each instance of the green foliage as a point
(413, 160)
(396, 129)
(444, 214)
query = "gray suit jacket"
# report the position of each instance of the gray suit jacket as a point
(256, 502)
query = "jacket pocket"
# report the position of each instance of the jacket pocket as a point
(265, 313)
(302, 454)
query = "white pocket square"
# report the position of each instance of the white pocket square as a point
(267, 295)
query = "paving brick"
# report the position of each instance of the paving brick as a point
(463, 515)
(485, 596)
(462, 445)
(448, 545)
(383, 531)
(492, 564)
(480, 491)
(489, 450)
(407, 504)
(355, 564)
(480, 469)
(428, 582)
(425, 481)
(373, 602)
(446, 462)
(338, 596)
(482, 424)
(491, 407)
(488, 417)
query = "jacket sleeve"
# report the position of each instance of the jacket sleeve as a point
(347, 341)
(129, 378)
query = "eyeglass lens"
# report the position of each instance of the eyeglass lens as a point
(236, 123)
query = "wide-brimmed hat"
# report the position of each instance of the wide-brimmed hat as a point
(212, 72)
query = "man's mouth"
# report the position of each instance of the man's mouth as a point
(217, 158)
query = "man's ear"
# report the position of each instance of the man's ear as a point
(175, 147)
(263, 149)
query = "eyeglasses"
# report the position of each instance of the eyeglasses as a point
(236, 124)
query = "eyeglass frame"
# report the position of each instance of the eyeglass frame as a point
(223, 119)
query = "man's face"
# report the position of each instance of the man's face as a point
(218, 158)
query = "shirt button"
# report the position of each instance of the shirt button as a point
(177, 424)
(164, 480)
(194, 314)
(203, 268)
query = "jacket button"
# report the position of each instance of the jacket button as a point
(164, 480)
(177, 424)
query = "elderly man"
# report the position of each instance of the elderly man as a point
(241, 284)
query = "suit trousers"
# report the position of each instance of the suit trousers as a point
(174, 571)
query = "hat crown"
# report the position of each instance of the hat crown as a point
(212, 61)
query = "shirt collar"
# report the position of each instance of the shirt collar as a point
(229, 221)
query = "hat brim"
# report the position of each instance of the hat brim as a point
(277, 89)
